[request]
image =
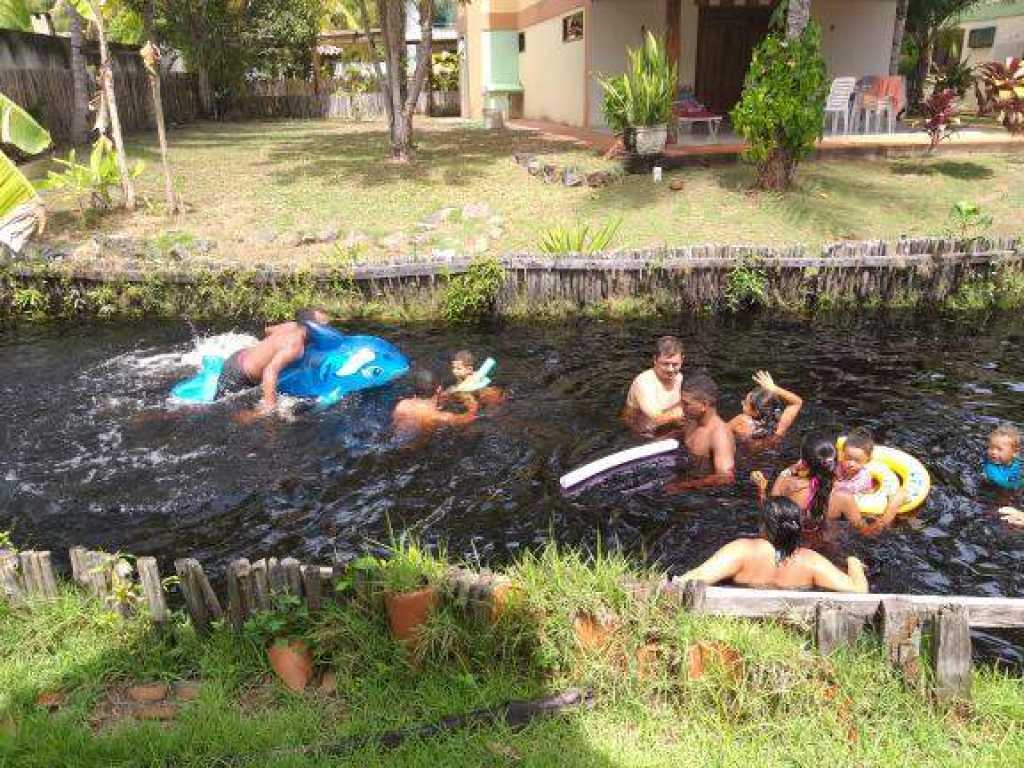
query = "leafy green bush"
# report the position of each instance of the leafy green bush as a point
(89, 185)
(579, 238)
(643, 95)
(472, 296)
(782, 111)
(746, 287)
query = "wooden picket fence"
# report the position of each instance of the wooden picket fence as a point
(838, 619)
(293, 98)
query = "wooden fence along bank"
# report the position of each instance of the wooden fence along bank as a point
(904, 273)
(837, 619)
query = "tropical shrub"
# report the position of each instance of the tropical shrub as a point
(941, 119)
(955, 75)
(643, 95)
(90, 185)
(472, 296)
(579, 238)
(782, 111)
(21, 212)
(1003, 86)
(746, 287)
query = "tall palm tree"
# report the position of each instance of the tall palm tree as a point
(79, 78)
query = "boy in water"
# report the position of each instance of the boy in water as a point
(705, 434)
(463, 369)
(422, 412)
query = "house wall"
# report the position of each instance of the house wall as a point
(614, 26)
(473, 20)
(856, 35)
(552, 72)
(1009, 40)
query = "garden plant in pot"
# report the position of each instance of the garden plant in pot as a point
(283, 631)
(638, 103)
(409, 578)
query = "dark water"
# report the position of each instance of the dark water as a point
(90, 452)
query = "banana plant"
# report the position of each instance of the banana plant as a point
(21, 210)
(15, 14)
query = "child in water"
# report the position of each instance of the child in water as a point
(1002, 467)
(768, 411)
(852, 475)
(463, 367)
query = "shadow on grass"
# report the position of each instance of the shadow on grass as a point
(243, 717)
(964, 171)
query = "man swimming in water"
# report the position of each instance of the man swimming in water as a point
(705, 434)
(261, 364)
(422, 413)
(653, 400)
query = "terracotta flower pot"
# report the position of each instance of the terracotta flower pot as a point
(408, 611)
(593, 633)
(292, 662)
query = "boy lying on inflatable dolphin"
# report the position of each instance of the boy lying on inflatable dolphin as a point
(304, 358)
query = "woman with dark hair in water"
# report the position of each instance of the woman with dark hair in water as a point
(768, 411)
(777, 560)
(809, 485)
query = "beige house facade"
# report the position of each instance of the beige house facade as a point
(540, 59)
(993, 32)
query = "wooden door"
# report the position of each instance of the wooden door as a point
(726, 38)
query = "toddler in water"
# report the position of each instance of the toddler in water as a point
(463, 367)
(1002, 467)
(852, 475)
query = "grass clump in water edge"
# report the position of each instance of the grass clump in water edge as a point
(762, 696)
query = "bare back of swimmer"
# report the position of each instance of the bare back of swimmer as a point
(778, 561)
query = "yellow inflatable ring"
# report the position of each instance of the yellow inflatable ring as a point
(891, 470)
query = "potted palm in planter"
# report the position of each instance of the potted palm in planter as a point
(638, 103)
(409, 579)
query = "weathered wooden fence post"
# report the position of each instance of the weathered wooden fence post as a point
(203, 606)
(10, 586)
(952, 654)
(152, 589)
(900, 628)
(835, 628)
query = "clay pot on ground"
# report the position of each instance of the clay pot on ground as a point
(409, 611)
(291, 661)
(593, 633)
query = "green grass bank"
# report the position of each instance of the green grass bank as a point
(764, 698)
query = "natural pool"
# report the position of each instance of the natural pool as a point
(91, 454)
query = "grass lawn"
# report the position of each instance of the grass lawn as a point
(779, 705)
(248, 182)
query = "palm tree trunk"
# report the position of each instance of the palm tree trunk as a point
(402, 150)
(797, 17)
(151, 58)
(899, 27)
(107, 85)
(79, 78)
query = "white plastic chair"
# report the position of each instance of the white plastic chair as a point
(838, 104)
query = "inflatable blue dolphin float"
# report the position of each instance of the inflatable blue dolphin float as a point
(332, 366)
